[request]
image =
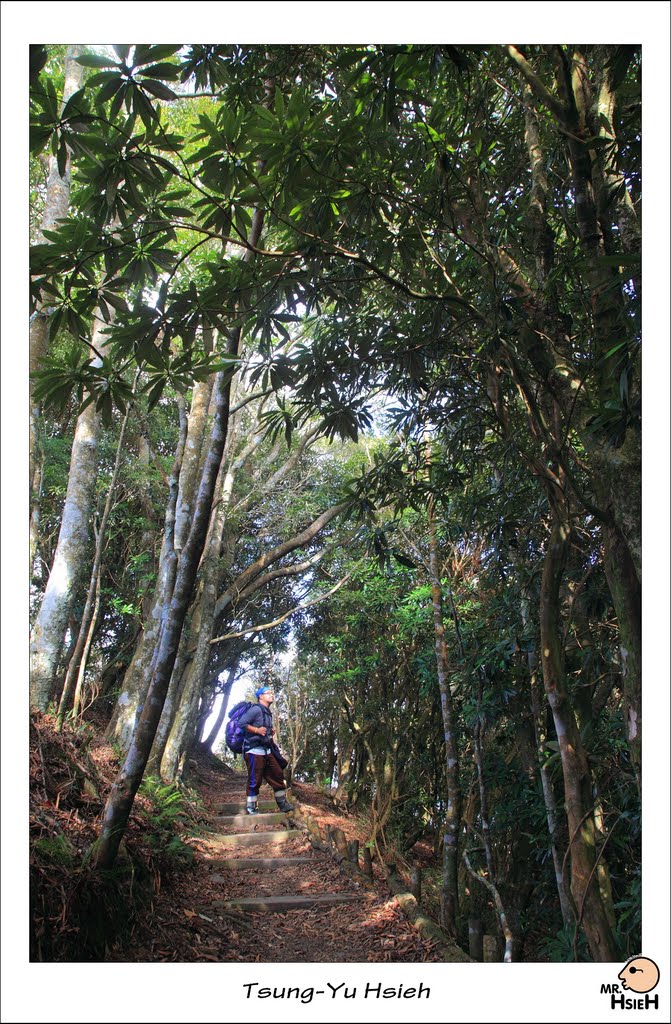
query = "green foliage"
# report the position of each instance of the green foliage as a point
(629, 916)
(56, 848)
(406, 294)
(566, 947)
(167, 801)
(166, 814)
(364, 153)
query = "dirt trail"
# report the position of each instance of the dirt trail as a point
(195, 921)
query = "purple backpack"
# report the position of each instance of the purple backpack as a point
(235, 733)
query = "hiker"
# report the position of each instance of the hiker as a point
(261, 753)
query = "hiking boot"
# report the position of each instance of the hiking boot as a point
(284, 805)
(252, 809)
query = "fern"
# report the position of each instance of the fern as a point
(167, 809)
(560, 947)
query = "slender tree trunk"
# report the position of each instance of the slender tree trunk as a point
(69, 685)
(218, 665)
(78, 702)
(125, 787)
(136, 679)
(179, 719)
(191, 461)
(551, 809)
(71, 554)
(171, 745)
(120, 801)
(577, 779)
(184, 725)
(450, 891)
(57, 202)
(508, 936)
(330, 754)
(172, 706)
(585, 110)
(204, 713)
(346, 752)
(625, 589)
(148, 538)
(484, 803)
(612, 188)
(219, 721)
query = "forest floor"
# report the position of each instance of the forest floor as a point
(190, 927)
(163, 904)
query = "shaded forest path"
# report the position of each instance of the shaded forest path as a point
(303, 907)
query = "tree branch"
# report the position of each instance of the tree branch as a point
(282, 618)
(298, 541)
(542, 92)
(505, 928)
(287, 570)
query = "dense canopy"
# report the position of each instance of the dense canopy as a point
(336, 382)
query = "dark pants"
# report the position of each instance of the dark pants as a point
(260, 767)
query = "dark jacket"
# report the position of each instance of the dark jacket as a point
(258, 716)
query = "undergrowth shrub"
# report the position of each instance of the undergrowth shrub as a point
(167, 812)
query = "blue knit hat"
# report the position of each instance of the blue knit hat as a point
(262, 689)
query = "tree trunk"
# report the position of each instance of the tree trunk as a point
(120, 801)
(577, 780)
(450, 890)
(625, 590)
(330, 754)
(484, 802)
(177, 733)
(56, 206)
(70, 557)
(172, 709)
(191, 460)
(221, 716)
(87, 615)
(184, 726)
(78, 702)
(136, 679)
(586, 110)
(551, 810)
(508, 936)
(552, 813)
(345, 776)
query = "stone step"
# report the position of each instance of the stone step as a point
(252, 838)
(278, 904)
(239, 807)
(247, 821)
(254, 864)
